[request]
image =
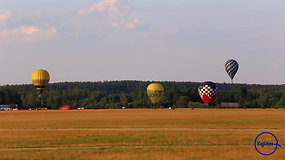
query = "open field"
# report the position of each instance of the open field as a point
(140, 134)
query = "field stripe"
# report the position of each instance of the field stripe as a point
(142, 129)
(114, 147)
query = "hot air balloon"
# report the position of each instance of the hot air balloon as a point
(231, 67)
(40, 79)
(155, 92)
(66, 107)
(208, 92)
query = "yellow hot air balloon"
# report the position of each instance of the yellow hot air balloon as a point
(40, 79)
(155, 92)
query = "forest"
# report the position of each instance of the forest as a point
(132, 94)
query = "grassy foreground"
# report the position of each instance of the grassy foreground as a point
(140, 134)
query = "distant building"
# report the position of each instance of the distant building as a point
(229, 105)
(38, 108)
(8, 107)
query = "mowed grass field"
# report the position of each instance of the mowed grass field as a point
(138, 134)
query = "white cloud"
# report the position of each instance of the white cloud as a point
(117, 11)
(112, 8)
(29, 33)
(129, 25)
(23, 32)
(4, 17)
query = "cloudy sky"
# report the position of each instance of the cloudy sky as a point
(181, 40)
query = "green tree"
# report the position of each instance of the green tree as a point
(182, 102)
(242, 96)
(264, 100)
(124, 99)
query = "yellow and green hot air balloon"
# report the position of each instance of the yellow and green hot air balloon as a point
(155, 92)
(40, 79)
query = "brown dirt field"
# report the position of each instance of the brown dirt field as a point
(139, 134)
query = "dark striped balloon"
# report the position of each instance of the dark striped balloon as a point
(231, 67)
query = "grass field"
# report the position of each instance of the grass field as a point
(140, 134)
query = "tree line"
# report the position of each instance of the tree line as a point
(132, 94)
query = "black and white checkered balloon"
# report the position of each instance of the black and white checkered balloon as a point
(208, 92)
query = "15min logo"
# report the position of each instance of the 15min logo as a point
(266, 143)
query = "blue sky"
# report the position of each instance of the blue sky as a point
(182, 40)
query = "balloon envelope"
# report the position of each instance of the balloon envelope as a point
(66, 107)
(231, 68)
(208, 92)
(155, 92)
(40, 79)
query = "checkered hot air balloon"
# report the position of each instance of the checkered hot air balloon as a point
(231, 67)
(208, 92)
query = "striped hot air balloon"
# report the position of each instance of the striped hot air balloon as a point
(231, 67)
(40, 79)
(208, 92)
